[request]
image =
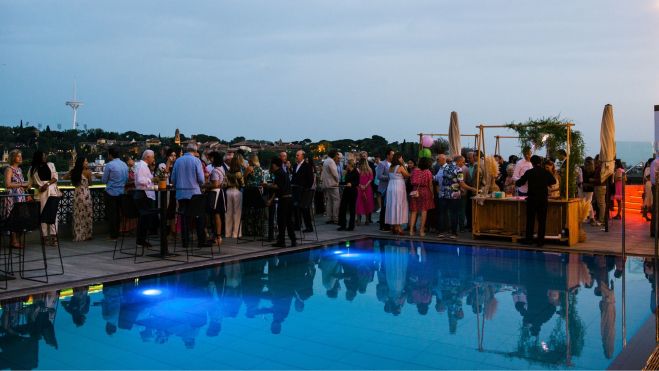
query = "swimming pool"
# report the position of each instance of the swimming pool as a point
(365, 304)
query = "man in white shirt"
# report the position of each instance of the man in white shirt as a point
(143, 176)
(144, 182)
(330, 180)
(520, 168)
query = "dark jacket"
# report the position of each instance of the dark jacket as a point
(538, 180)
(352, 177)
(302, 178)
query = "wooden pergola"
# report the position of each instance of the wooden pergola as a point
(481, 149)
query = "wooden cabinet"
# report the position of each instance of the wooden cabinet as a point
(507, 218)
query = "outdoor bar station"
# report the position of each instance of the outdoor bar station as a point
(497, 214)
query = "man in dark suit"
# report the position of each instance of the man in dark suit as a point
(538, 180)
(302, 182)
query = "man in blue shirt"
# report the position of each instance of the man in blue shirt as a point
(115, 176)
(187, 177)
(442, 202)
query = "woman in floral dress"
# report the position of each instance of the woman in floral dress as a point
(365, 202)
(15, 185)
(422, 198)
(83, 217)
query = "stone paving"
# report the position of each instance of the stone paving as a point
(91, 262)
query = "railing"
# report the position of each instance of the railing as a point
(65, 211)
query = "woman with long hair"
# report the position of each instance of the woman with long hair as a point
(619, 178)
(235, 182)
(588, 187)
(81, 178)
(253, 197)
(554, 190)
(43, 177)
(365, 201)
(15, 185)
(422, 198)
(397, 207)
(218, 206)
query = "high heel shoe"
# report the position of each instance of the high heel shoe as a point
(218, 241)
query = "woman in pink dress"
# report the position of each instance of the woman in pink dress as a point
(365, 202)
(619, 178)
(421, 197)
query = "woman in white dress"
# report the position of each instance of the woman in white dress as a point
(43, 177)
(397, 213)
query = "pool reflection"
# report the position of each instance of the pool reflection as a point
(544, 301)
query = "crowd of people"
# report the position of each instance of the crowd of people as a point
(241, 197)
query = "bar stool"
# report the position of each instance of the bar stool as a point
(145, 214)
(47, 216)
(128, 211)
(307, 202)
(254, 210)
(196, 209)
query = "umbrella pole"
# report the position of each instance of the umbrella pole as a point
(567, 163)
(478, 159)
(624, 300)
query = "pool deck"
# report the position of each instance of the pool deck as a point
(91, 262)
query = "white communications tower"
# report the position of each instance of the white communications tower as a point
(74, 104)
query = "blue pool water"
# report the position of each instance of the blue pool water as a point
(367, 304)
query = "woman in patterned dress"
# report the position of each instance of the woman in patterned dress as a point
(83, 218)
(365, 202)
(397, 206)
(15, 185)
(423, 200)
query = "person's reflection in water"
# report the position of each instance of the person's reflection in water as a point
(233, 290)
(216, 290)
(42, 319)
(358, 270)
(422, 278)
(304, 272)
(648, 270)
(78, 305)
(19, 346)
(253, 285)
(541, 299)
(331, 271)
(281, 281)
(110, 306)
(452, 283)
(603, 265)
(396, 262)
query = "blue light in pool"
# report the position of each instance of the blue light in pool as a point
(151, 292)
(349, 255)
(338, 252)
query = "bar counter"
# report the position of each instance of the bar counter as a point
(506, 217)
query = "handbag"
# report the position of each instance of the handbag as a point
(415, 193)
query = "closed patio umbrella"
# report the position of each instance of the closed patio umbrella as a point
(607, 143)
(454, 135)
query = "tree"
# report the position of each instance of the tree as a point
(439, 146)
(237, 140)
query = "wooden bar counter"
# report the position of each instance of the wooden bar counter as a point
(506, 217)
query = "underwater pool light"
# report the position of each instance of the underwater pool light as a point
(151, 292)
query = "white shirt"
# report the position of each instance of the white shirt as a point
(144, 179)
(521, 167)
